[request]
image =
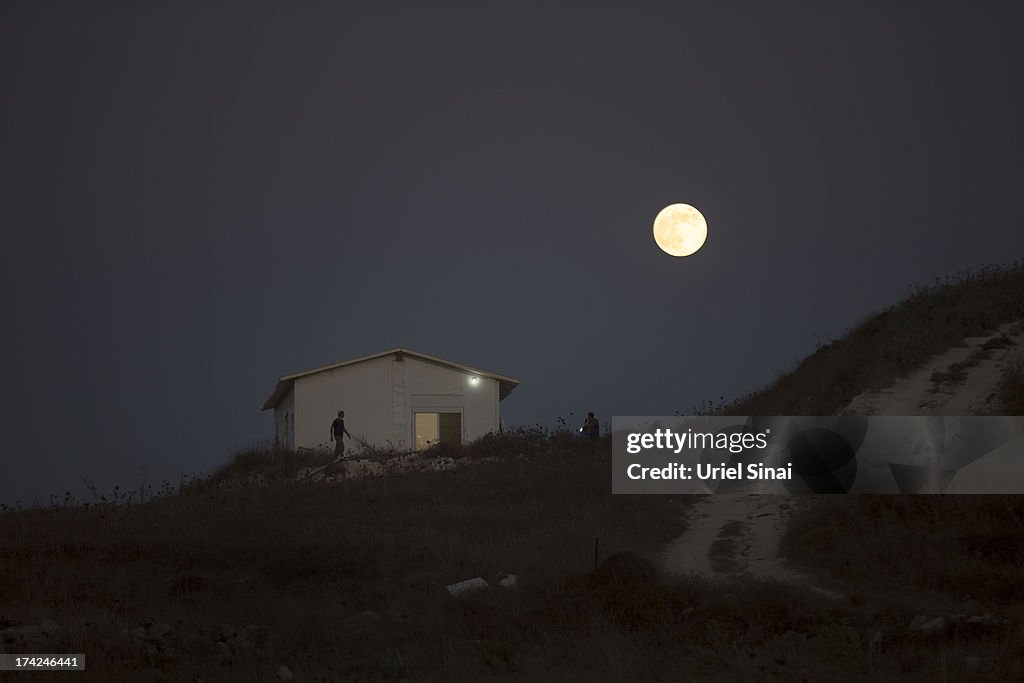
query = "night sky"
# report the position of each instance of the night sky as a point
(196, 200)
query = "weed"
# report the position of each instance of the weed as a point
(893, 343)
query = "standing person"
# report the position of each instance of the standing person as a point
(590, 426)
(337, 432)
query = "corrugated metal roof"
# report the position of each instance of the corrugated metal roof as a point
(285, 383)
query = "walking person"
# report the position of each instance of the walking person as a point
(591, 428)
(337, 432)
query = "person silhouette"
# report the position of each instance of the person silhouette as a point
(591, 428)
(337, 432)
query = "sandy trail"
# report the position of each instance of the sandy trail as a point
(737, 536)
(918, 394)
(734, 536)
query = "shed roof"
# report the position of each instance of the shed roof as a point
(285, 383)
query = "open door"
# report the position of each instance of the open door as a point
(432, 428)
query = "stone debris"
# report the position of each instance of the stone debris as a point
(926, 623)
(465, 462)
(403, 463)
(363, 468)
(358, 469)
(510, 581)
(332, 471)
(986, 618)
(285, 674)
(367, 619)
(467, 586)
(442, 464)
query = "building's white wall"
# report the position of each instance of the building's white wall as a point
(362, 390)
(379, 397)
(284, 419)
(429, 385)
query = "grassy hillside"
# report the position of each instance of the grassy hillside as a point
(893, 343)
(249, 571)
(343, 581)
(944, 554)
(230, 582)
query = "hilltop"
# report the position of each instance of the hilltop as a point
(892, 344)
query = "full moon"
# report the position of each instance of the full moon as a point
(680, 229)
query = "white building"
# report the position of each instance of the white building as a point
(399, 398)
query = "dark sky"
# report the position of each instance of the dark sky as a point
(199, 197)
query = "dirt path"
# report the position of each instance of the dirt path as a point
(737, 536)
(960, 381)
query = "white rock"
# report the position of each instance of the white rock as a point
(467, 586)
(915, 623)
(285, 674)
(402, 463)
(357, 469)
(443, 464)
(367, 616)
(986, 618)
(509, 581)
(936, 624)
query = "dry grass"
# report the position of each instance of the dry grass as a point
(958, 547)
(949, 547)
(300, 562)
(892, 344)
(346, 581)
(929, 554)
(1010, 392)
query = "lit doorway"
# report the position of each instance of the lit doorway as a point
(434, 428)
